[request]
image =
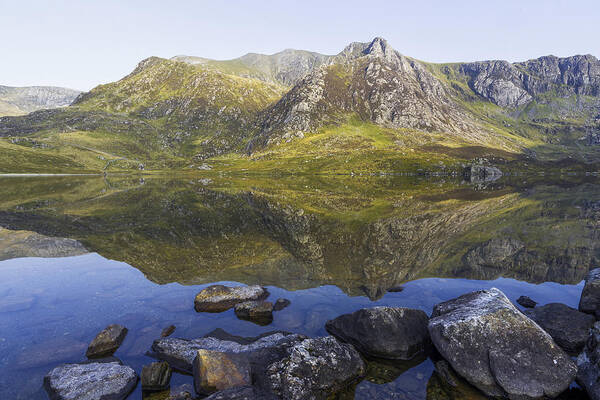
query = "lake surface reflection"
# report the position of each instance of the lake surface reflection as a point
(81, 253)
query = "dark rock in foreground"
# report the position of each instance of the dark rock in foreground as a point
(218, 298)
(396, 289)
(107, 342)
(180, 353)
(590, 296)
(588, 363)
(445, 384)
(260, 312)
(526, 302)
(90, 381)
(280, 304)
(156, 376)
(568, 327)
(384, 332)
(499, 350)
(314, 369)
(215, 370)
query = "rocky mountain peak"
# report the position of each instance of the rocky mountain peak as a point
(379, 47)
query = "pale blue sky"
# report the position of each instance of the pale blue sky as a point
(80, 44)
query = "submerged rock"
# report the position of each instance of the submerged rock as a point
(260, 312)
(280, 304)
(218, 298)
(498, 349)
(385, 332)
(90, 381)
(314, 369)
(168, 331)
(215, 370)
(526, 302)
(180, 353)
(396, 289)
(156, 376)
(107, 342)
(590, 296)
(588, 363)
(568, 327)
(238, 393)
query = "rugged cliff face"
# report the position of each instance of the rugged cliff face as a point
(514, 85)
(23, 100)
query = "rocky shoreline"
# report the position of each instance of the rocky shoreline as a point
(480, 342)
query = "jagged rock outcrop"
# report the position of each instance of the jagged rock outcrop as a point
(377, 83)
(513, 85)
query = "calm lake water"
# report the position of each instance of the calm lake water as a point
(330, 245)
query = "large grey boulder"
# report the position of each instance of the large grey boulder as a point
(383, 332)
(590, 296)
(568, 327)
(218, 298)
(90, 381)
(315, 369)
(498, 349)
(588, 363)
(180, 353)
(107, 342)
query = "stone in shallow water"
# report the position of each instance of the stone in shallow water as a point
(90, 381)
(180, 353)
(568, 327)
(107, 342)
(590, 296)
(314, 369)
(280, 304)
(156, 376)
(215, 370)
(218, 298)
(239, 393)
(384, 332)
(498, 349)
(588, 363)
(526, 302)
(168, 331)
(260, 312)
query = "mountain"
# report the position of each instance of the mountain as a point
(23, 100)
(366, 109)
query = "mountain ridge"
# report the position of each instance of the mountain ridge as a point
(367, 99)
(22, 100)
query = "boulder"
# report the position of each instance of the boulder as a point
(590, 296)
(568, 327)
(168, 331)
(156, 376)
(383, 332)
(526, 302)
(499, 350)
(90, 381)
(260, 312)
(180, 353)
(314, 369)
(107, 342)
(280, 304)
(218, 298)
(396, 289)
(215, 370)
(588, 363)
(482, 173)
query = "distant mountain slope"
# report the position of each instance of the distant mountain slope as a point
(23, 100)
(284, 68)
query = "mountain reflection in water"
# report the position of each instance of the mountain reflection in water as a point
(362, 234)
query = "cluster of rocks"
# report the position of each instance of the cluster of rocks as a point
(248, 302)
(479, 337)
